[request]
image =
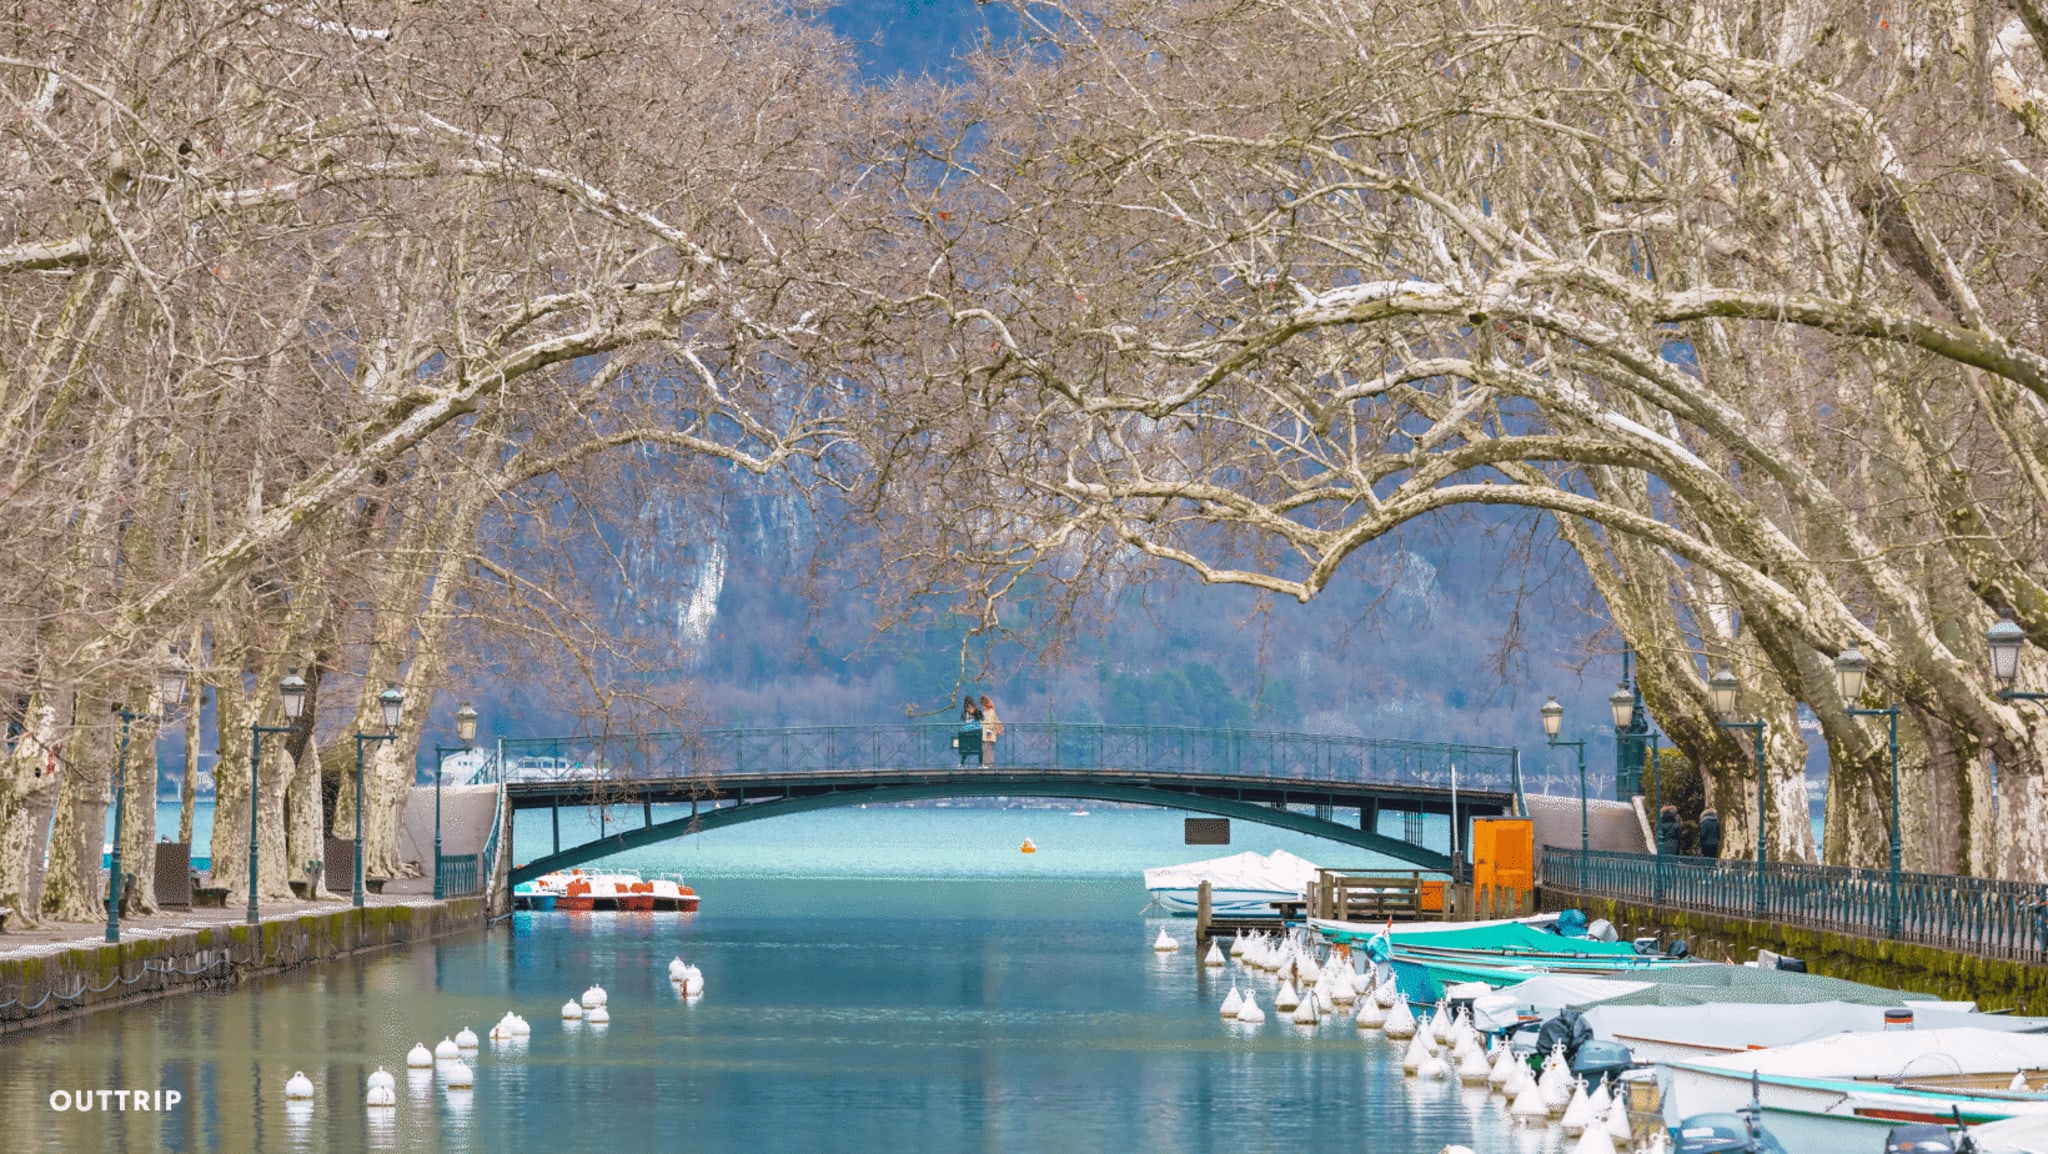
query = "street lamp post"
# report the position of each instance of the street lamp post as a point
(465, 728)
(292, 691)
(1553, 722)
(2005, 639)
(170, 693)
(1724, 687)
(1632, 725)
(1851, 667)
(392, 704)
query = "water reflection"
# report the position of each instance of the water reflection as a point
(952, 1015)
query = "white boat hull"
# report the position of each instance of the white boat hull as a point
(1224, 903)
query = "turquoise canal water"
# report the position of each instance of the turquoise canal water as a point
(880, 980)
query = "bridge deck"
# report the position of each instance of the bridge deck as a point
(748, 775)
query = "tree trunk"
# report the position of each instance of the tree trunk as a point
(138, 816)
(28, 790)
(305, 831)
(73, 892)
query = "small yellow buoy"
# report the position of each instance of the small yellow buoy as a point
(1027, 847)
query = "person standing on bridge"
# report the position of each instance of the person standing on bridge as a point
(991, 728)
(968, 710)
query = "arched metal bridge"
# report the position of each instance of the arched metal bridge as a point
(738, 775)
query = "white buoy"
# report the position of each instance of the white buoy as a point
(1305, 1013)
(1617, 1121)
(1249, 1010)
(419, 1057)
(1344, 988)
(1528, 1103)
(1433, 1068)
(447, 1051)
(677, 971)
(1456, 1150)
(519, 1027)
(1400, 1022)
(1519, 1078)
(1472, 1068)
(1307, 969)
(298, 1086)
(1165, 943)
(501, 1030)
(1369, 1016)
(1597, 1102)
(1285, 999)
(380, 1096)
(1555, 1083)
(1462, 1031)
(594, 996)
(1577, 1111)
(571, 1011)
(382, 1077)
(1231, 1002)
(457, 1075)
(1502, 1063)
(1385, 994)
(1215, 955)
(1594, 1140)
(1440, 1025)
(466, 1039)
(1419, 1047)
(1238, 944)
(694, 984)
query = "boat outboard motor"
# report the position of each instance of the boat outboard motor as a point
(1567, 1028)
(1723, 1134)
(1597, 1059)
(1739, 1133)
(1679, 950)
(1920, 1138)
(1710, 833)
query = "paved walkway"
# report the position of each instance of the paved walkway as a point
(53, 936)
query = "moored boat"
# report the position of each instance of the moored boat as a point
(1241, 885)
(1844, 1092)
(622, 890)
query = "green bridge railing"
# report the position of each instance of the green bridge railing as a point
(1982, 917)
(723, 753)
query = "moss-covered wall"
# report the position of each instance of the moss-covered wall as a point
(1992, 984)
(45, 987)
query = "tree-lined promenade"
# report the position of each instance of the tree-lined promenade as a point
(325, 324)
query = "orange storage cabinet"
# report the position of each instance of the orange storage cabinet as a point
(1504, 853)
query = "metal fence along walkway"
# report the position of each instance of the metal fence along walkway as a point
(732, 775)
(1977, 916)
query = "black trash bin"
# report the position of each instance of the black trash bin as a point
(968, 742)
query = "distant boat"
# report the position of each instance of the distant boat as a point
(625, 890)
(1029, 846)
(1080, 813)
(1242, 885)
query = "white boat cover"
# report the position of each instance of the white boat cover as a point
(2028, 1135)
(1277, 872)
(1891, 1054)
(1545, 995)
(1737, 1026)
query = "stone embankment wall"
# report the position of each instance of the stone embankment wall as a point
(47, 986)
(1991, 983)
